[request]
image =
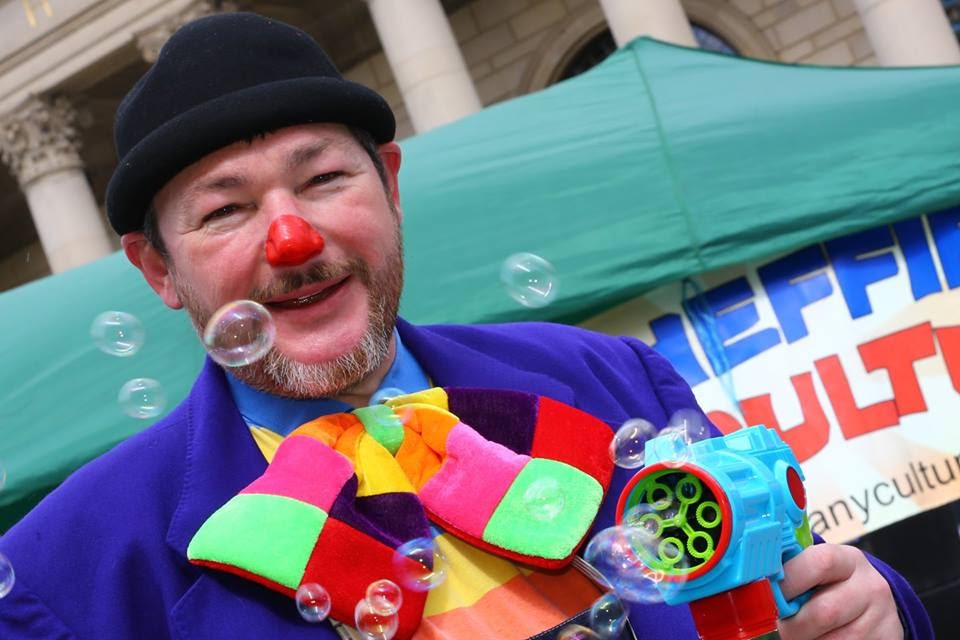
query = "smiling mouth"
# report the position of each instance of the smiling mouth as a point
(303, 301)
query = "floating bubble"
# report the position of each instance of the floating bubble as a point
(7, 577)
(3, 477)
(627, 446)
(644, 517)
(373, 625)
(142, 398)
(529, 279)
(384, 395)
(419, 564)
(608, 616)
(691, 424)
(674, 447)
(313, 602)
(544, 499)
(618, 552)
(118, 333)
(239, 333)
(577, 632)
(384, 597)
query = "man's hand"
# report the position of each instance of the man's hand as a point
(851, 599)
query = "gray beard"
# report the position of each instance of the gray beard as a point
(279, 375)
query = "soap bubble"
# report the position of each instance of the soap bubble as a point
(691, 424)
(384, 395)
(675, 450)
(627, 446)
(142, 398)
(544, 499)
(529, 279)
(373, 625)
(384, 597)
(118, 333)
(616, 552)
(419, 564)
(608, 616)
(577, 632)
(647, 519)
(313, 602)
(239, 333)
(7, 577)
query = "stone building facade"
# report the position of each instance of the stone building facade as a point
(65, 65)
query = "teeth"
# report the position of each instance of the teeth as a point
(304, 300)
(296, 302)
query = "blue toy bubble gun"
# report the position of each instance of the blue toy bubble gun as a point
(721, 519)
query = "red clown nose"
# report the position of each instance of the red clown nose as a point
(292, 241)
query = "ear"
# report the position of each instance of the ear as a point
(145, 257)
(390, 154)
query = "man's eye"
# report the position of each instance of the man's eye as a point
(324, 178)
(220, 213)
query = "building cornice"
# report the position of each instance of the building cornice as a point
(79, 43)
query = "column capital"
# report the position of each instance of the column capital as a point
(39, 138)
(150, 42)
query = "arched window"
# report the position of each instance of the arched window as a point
(711, 41)
(953, 13)
(602, 45)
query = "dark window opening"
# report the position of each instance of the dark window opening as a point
(952, 7)
(602, 45)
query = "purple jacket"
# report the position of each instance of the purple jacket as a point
(104, 556)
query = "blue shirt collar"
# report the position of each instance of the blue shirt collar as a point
(283, 415)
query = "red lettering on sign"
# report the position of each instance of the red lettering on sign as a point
(724, 421)
(854, 421)
(896, 353)
(806, 438)
(949, 339)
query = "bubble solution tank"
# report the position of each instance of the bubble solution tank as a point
(720, 524)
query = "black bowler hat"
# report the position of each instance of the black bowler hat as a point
(221, 79)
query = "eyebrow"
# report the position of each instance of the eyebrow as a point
(302, 155)
(216, 183)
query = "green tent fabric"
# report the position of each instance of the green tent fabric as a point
(660, 163)
(663, 162)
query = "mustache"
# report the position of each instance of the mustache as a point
(319, 272)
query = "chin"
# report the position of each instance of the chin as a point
(320, 349)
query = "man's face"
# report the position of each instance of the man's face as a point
(334, 313)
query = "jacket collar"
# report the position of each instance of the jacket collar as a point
(451, 363)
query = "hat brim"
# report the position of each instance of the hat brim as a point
(240, 115)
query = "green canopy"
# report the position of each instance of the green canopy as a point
(660, 163)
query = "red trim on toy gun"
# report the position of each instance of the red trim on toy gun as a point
(718, 523)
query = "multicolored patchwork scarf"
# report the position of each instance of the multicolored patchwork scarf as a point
(342, 492)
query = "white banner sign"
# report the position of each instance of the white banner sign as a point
(850, 348)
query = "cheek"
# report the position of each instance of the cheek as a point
(223, 273)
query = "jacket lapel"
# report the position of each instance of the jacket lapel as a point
(222, 459)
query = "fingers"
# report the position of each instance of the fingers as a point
(851, 600)
(875, 623)
(830, 609)
(820, 564)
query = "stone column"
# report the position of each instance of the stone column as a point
(661, 19)
(41, 146)
(908, 33)
(426, 61)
